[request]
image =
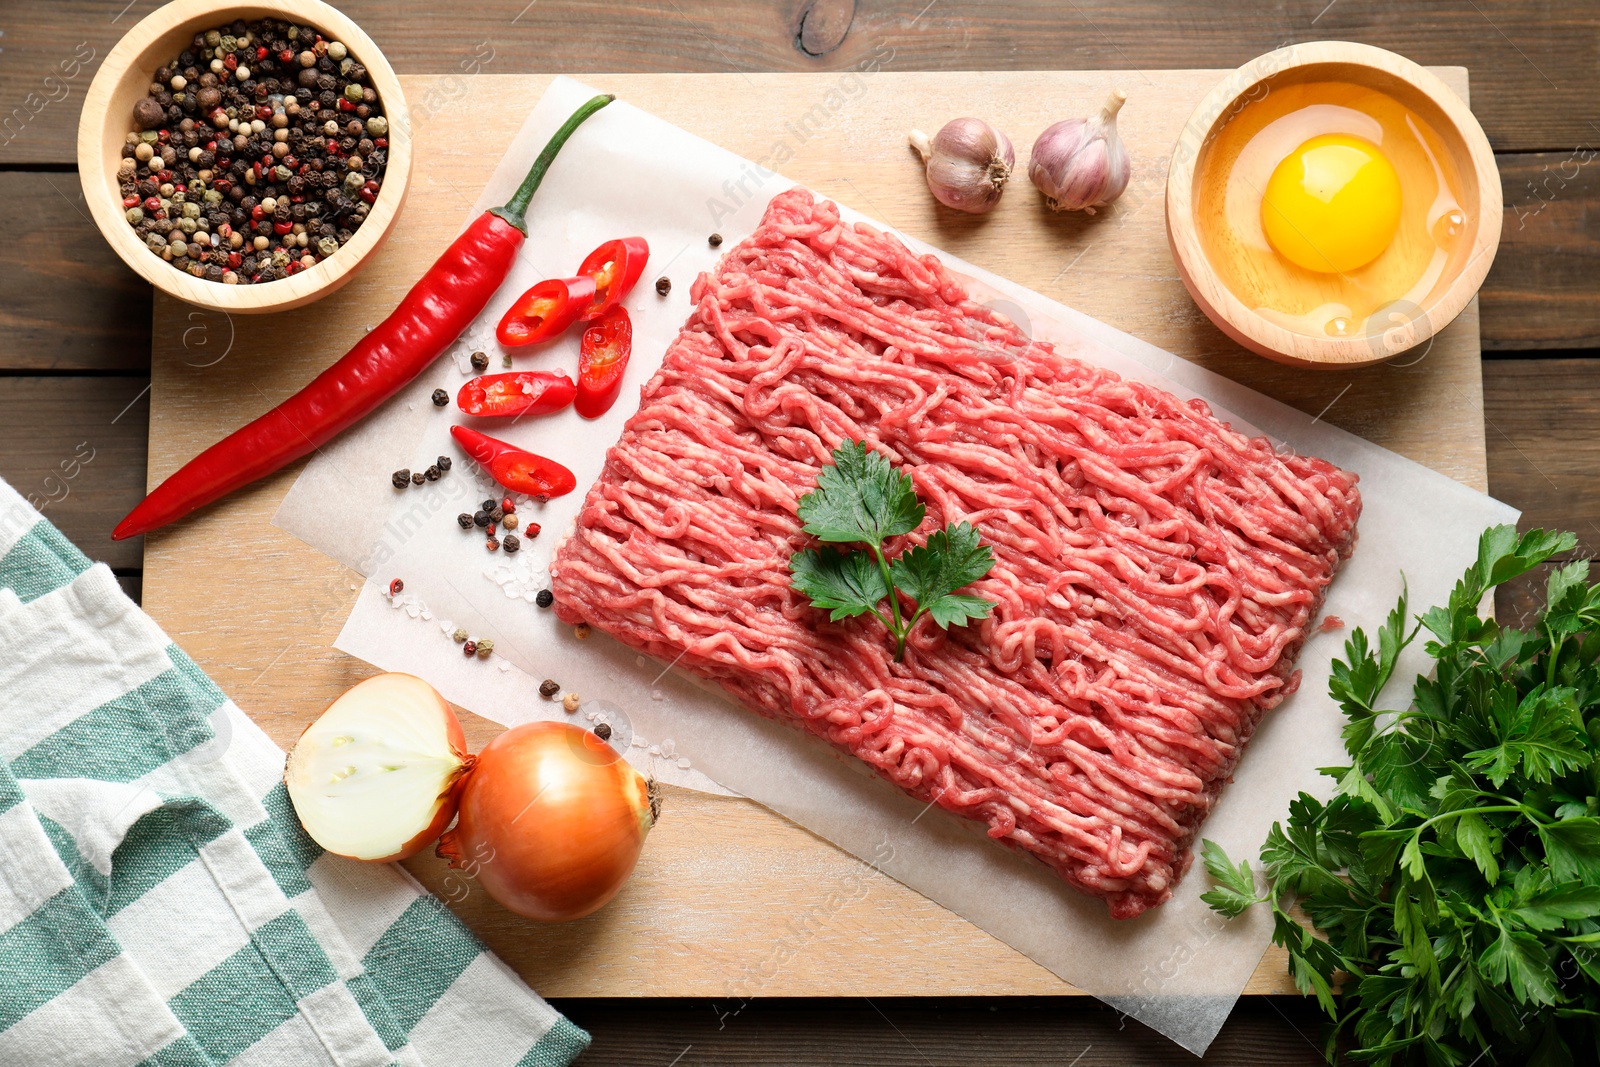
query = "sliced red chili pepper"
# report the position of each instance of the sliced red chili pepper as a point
(615, 267)
(602, 361)
(543, 312)
(517, 470)
(433, 314)
(522, 393)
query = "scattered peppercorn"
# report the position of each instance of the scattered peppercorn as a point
(470, 648)
(395, 587)
(549, 688)
(509, 522)
(511, 542)
(440, 398)
(545, 598)
(602, 730)
(493, 544)
(401, 478)
(663, 286)
(497, 514)
(464, 521)
(418, 477)
(581, 631)
(485, 646)
(445, 462)
(432, 473)
(488, 505)
(570, 702)
(481, 518)
(459, 636)
(238, 150)
(508, 505)
(480, 361)
(714, 240)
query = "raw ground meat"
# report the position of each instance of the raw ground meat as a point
(1155, 571)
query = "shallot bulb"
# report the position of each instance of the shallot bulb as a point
(968, 164)
(1081, 164)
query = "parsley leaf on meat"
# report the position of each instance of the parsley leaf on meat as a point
(1455, 873)
(930, 574)
(845, 583)
(861, 499)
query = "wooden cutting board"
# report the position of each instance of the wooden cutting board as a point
(729, 900)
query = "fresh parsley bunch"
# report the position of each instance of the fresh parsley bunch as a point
(861, 500)
(1456, 872)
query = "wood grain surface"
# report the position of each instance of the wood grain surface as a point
(75, 448)
(1534, 61)
(729, 899)
(887, 1032)
(1544, 290)
(70, 305)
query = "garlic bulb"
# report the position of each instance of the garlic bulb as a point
(968, 164)
(1080, 164)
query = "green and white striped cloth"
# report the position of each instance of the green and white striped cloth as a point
(159, 903)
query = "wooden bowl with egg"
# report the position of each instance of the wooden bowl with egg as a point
(125, 77)
(1332, 205)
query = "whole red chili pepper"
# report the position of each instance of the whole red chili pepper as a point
(431, 316)
(602, 362)
(521, 393)
(516, 469)
(615, 267)
(544, 312)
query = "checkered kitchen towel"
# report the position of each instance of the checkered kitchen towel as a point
(160, 905)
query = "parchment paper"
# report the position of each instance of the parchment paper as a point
(1178, 968)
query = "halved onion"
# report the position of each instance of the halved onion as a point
(375, 777)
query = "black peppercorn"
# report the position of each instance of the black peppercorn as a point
(148, 113)
(418, 478)
(481, 518)
(497, 513)
(440, 398)
(480, 361)
(602, 730)
(549, 688)
(444, 463)
(663, 286)
(489, 504)
(464, 521)
(714, 240)
(432, 474)
(545, 598)
(401, 478)
(510, 542)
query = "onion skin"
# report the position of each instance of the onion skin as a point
(551, 821)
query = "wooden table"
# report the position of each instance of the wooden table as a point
(74, 358)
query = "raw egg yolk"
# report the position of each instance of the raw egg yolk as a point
(1332, 204)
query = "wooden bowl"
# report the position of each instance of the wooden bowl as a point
(107, 117)
(1399, 327)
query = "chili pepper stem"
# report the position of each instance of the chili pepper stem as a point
(515, 210)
